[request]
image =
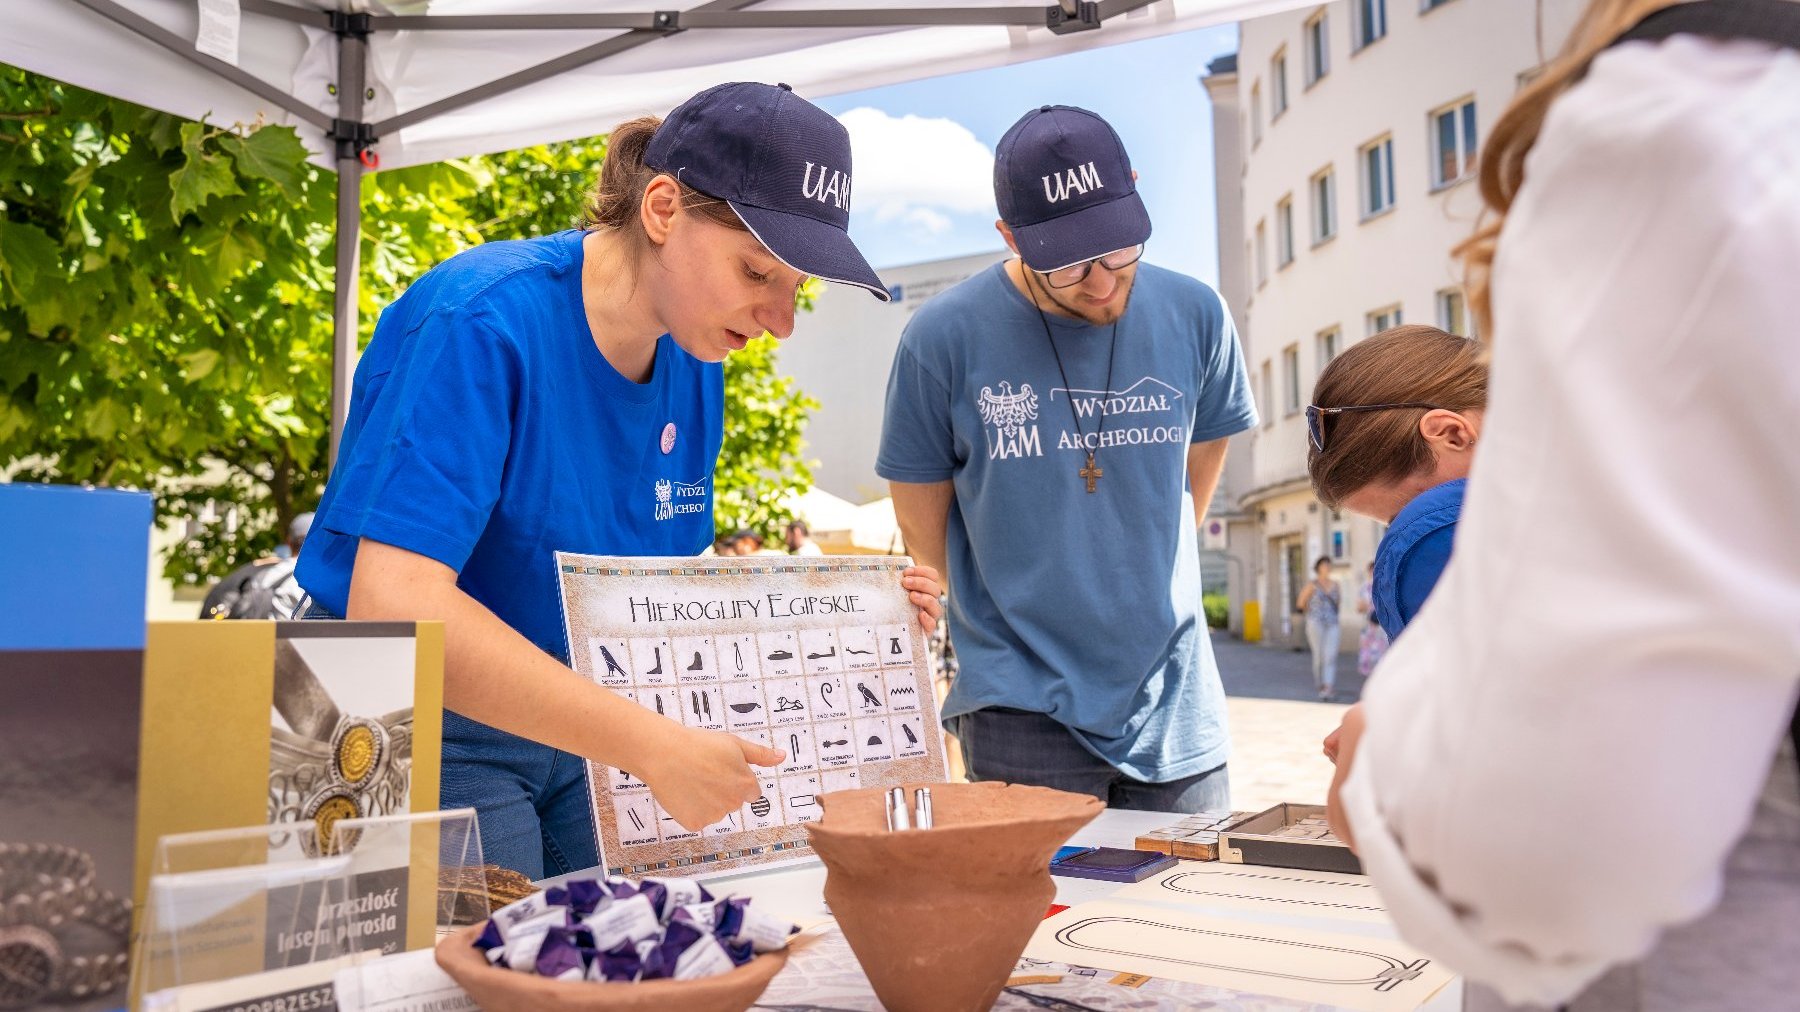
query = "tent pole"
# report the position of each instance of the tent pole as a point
(352, 54)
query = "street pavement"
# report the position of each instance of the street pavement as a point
(1277, 722)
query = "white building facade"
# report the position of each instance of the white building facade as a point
(1358, 125)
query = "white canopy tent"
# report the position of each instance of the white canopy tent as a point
(425, 80)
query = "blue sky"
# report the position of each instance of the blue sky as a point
(924, 150)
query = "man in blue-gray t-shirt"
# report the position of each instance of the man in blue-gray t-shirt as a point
(1055, 427)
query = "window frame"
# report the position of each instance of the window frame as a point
(1323, 223)
(1465, 132)
(1284, 232)
(1393, 313)
(1315, 32)
(1384, 145)
(1359, 28)
(1290, 369)
(1278, 93)
(1460, 324)
(1261, 243)
(1328, 345)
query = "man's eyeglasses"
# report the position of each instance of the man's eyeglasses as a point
(1075, 274)
(1316, 416)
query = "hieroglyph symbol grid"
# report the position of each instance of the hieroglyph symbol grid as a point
(835, 699)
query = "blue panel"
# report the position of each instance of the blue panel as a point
(73, 567)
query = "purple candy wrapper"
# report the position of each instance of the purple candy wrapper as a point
(490, 943)
(586, 896)
(562, 956)
(658, 896)
(629, 920)
(556, 896)
(619, 963)
(621, 888)
(740, 952)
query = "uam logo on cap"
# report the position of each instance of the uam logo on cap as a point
(1077, 181)
(831, 185)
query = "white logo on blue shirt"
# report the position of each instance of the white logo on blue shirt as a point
(676, 498)
(1006, 414)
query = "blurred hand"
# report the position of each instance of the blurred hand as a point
(924, 588)
(1347, 736)
(702, 776)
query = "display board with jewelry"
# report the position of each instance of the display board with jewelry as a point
(820, 657)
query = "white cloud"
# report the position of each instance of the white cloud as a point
(918, 170)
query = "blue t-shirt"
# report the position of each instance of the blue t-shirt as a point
(487, 431)
(1413, 554)
(1082, 606)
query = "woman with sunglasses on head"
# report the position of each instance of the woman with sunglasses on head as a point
(1392, 428)
(1619, 628)
(530, 397)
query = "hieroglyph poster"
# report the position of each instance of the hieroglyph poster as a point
(820, 657)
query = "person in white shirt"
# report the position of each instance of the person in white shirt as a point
(1573, 779)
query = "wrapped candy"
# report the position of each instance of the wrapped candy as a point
(619, 931)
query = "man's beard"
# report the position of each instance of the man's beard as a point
(1105, 316)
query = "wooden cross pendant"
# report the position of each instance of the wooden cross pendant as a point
(1091, 473)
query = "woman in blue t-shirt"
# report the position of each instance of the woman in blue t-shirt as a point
(566, 394)
(1392, 426)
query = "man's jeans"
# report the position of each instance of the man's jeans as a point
(1019, 747)
(531, 801)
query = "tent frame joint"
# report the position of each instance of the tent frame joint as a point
(1084, 17)
(353, 25)
(668, 22)
(353, 137)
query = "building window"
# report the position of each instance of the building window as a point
(1256, 114)
(1377, 177)
(1328, 341)
(1318, 48)
(1368, 21)
(1384, 319)
(1324, 206)
(1284, 232)
(1278, 97)
(1268, 395)
(1453, 315)
(1453, 143)
(1262, 255)
(1290, 378)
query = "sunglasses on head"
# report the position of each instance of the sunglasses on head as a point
(1316, 416)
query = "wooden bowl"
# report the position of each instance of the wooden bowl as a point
(497, 989)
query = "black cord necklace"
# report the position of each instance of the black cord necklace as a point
(1091, 473)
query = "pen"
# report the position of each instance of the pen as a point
(901, 818)
(922, 799)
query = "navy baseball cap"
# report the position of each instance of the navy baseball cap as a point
(782, 163)
(1063, 183)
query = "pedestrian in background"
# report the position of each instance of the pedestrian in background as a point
(1319, 602)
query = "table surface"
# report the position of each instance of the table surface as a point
(797, 891)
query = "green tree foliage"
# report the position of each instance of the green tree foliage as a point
(165, 308)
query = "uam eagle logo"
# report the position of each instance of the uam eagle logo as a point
(664, 490)
(1007, 414)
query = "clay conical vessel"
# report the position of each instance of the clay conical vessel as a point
(938, 917)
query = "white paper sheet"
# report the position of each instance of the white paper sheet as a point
(1348, 971)
(1254, 887)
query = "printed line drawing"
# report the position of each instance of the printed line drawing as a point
(786, 705)
(698, 664)
(781, 655)
(637, 821)
(895, 649)
(760, 807)
(658, 669)
(821, 656)
(1197, 887)
(911, 739)
(875, 739)
(694, 699)
(612, 664)
(825, 692)
(834, 744)
(745, 707)
(659, 708)
(1383, 972)
(794, 752)
(860, 653)
(868, 697)
(706, 701)
(801, 801)
(737, 651)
